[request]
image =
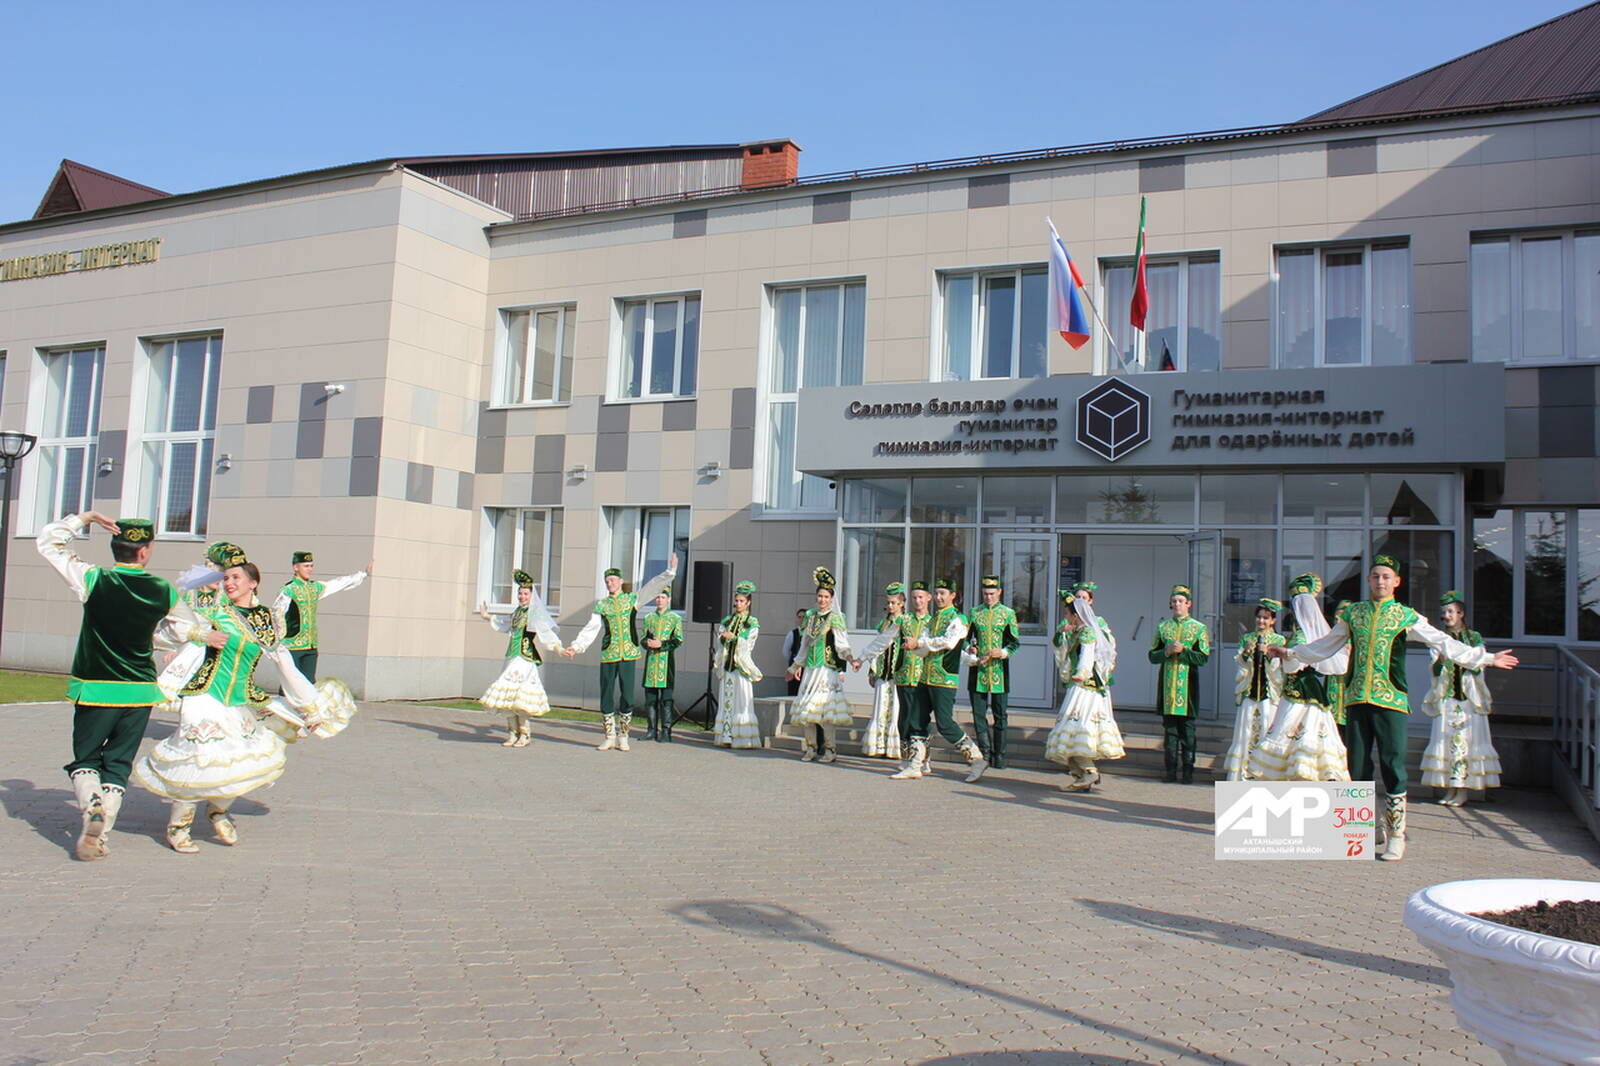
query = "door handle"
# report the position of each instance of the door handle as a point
(1136, 626)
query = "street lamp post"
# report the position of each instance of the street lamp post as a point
(13, 446)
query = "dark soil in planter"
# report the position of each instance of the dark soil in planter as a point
(1576, 919)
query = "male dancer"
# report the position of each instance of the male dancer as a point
(617, 616)
(908, 677)
(940, 647)
(1375, 685)
(663, 632)
(113, 681)
(297, 604)
(994, 636)
(1180, 645)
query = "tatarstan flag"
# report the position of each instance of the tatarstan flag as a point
(1140, 306)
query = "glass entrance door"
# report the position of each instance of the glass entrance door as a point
(1023, 563)
(1205, 577)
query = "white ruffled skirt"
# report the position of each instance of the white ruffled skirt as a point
(518, 690)
(820, 700)
(1250, 728)
(1085, 728)
(1460, 753)
(1302, 744)
(219, 752)
(325, 718)
(883, 732)
(735, 725)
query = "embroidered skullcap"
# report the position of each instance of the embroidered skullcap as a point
(919, 586)
(1267, 603)
(225, 554)
(745, 588)
(1084, 586)
(1183, 590)
(823, 577)
(612, 571)
(945, 583)
(1307, 584)
(989, 581)
(1066, 594)
(301, 557)
(523, 579)
(1387, 560)
(895, 589)
(135, 531)
(1453, 596)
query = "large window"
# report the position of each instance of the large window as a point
(536, 366)
(643, 539)
(180, 426)
(1536, 297)
(1536, 574)
(660, 347)
(525, 538)
(1183, 330)
(1344, 305)
(68, 438)
(818, 340)
(994, 324)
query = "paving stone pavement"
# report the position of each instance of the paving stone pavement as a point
(411, 892)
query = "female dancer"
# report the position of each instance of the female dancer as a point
(736, 725)
(883, 732)
(1460, 755)
(1303, 742)
(819, 664)
(1257, 689)
(1085, 729)
(222, 748)
(518, 692)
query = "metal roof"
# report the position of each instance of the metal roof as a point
(1555, 61)
(77, 187)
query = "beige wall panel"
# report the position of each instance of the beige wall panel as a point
(1116, 218)
(1443, 336)
(868, 238)
(1254, 207)
(1353, 198)
(902, 359)
(1302, 202)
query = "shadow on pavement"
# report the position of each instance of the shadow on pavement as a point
(1234, 935)
(1031, 1058)
(773, 922)
(486, 733)
(1100, 806)
(51, 812)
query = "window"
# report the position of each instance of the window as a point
(1344, 305)
(1536, 297)
(67, 440)
(1536, 574)
(1183, 330)
(818, 340)
(642, 539)
(660, 347)
(994, 324)
(525, 538)
(545, 376)
(179, 433)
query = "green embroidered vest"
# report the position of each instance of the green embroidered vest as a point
(112, 666)
(993, 628)
(1073, 640)
(943, 669)
(666, 627)
(887, 664)
(910, 668)
(522, 644)
(1454, 672)
(1307, 685)
(1251, 647)
(301, 620)
(1179, 686)
(619, 642)
(1377, 672)
(228, 673)
(740, 626)
(820, 627)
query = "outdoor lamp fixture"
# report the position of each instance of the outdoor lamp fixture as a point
(332, 388)
(224, 463)
(107, 464)
(712, 470)
(579, 473)
(13, 446)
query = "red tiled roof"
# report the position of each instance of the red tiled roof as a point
(1553, 62)
(82, 188)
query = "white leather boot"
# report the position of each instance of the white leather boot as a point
(624, 723)
(913, 767)
(91, 801)
(611, 733)
(1394, 846)
(976, 763)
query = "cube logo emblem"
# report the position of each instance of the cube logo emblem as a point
(1113, 419)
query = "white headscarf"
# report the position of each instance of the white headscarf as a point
(1105, 645)
(1308, 616)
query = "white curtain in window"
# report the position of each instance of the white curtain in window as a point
(688, 371)
(1297, 302)
(1491, 300)
(999, 325)
(1391, 305)
(822, 336)
(1204, 348)
(1586, 297)
(958, 296)
(786, 340)
(1033, 360)
(1161, 324)
(781, 487)
(852, 358)
(1119, 294)
(1541, 299)
(1343, 300)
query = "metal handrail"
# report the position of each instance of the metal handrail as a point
(1576, 721)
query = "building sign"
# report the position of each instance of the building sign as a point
(98, 257)
(1450, 414)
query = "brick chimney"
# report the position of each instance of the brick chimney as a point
(770, 163)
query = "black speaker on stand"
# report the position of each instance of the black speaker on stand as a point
(709, 597)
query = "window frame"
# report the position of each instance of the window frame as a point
(45, 497)
(1572, 580)
(682, 519)
(200, 437)
(1514, 240)
(1183, 260)
(1320, 253)
(620, 352)
(979, 318)
(488, 581)
(506, 328)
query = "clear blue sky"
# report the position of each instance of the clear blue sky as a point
(186, 96)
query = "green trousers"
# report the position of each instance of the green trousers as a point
(1178, 745)
(305, 661)
(1365, 725)
(658, 709)
(912, 703)
(106, 739)
(992, 742)
(616, 687)
(941, 702)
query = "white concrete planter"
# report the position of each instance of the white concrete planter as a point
(1535, 999)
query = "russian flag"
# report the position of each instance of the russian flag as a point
(1066, 309)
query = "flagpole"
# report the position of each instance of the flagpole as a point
(1111, 339)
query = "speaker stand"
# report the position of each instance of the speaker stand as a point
(707, 697)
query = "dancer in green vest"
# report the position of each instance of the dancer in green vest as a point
(882, 738)
(113, 683)
(616, 615)
(663, 632)
(1460, 756)
(1181, 645)
(993, 636)
(736, 674)
(940, 649)
(298, 603)
(518, 692)
(820, 707)
(1257, 690)
(1375, 698)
